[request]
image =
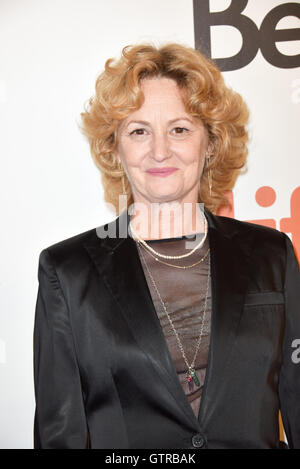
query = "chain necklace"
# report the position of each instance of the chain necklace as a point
(191, 374)
(164, 256)
(172, 265)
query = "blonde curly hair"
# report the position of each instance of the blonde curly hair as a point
(118, 93)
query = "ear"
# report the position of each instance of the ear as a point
(209, 150)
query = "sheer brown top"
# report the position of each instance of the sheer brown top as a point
(185, 293)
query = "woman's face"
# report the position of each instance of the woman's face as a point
(161, 147)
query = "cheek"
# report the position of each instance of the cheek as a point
(131, 153)
(190, 153)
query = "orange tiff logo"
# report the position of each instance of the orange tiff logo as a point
(265, 197)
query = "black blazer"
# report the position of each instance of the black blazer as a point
(104, 377)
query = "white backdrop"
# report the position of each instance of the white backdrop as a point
(51, 54)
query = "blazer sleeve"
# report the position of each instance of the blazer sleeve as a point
(289, 380)
(59, 421)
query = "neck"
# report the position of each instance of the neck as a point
(167, 220)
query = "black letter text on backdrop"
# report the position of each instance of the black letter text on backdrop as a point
(264, 38)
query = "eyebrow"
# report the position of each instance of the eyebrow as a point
(169, 122)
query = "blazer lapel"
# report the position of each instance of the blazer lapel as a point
(118, 263)
(230, 252)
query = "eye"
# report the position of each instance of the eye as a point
(180, 130)
(137, 132)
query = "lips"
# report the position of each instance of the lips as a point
(163, 172)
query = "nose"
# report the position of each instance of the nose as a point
(160, 147)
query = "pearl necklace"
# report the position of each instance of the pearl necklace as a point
(164, 256)
(172, 265)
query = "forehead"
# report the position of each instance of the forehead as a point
(162, 97)
(163, 103)
(160, 84)
(161, 89)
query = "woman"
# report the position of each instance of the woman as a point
(169, 327)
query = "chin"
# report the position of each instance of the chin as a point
(163, 197)
(164, 190)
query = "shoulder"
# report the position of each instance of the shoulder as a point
(261, 236)
(266, 248)
(235, 227)
(71, 253)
